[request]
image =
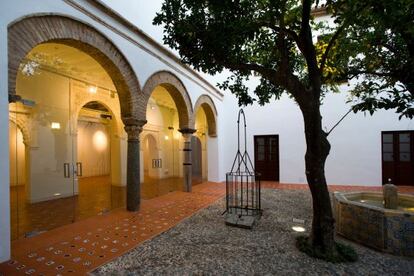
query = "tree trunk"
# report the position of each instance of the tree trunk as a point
(318, 147)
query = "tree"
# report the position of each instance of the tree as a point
(379, 50)
(274, 40)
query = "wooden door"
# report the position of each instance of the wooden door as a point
(398, 157)
(266, 156)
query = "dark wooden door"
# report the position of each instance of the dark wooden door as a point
(398, 157)
(266, 156)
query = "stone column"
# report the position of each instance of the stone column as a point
(187, 163)
(133, 128)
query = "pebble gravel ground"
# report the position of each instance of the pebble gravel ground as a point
(204, 245)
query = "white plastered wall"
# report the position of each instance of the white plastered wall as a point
(355, 157)
(4, 149)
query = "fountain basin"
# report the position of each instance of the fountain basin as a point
(361, 217)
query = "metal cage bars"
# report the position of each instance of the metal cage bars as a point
(243, 188)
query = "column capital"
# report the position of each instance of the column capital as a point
(133, 127)
(187, 130)
(133, 132)
(131, 121)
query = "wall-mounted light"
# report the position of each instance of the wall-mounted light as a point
(152, 107)
(92, 89)
(166, 137)
(100, 141)
(55, 125)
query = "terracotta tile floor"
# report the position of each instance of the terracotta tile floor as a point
(83, 246)
(96, 195)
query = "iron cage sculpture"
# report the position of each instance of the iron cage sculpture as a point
(243, 190)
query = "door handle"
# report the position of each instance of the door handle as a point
(79, 169)
(66, 170)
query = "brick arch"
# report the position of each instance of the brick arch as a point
(207, 104)
(27, 33)
(111, 108)
(178, 92)
(23, 128)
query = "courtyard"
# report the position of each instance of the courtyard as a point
(204, 245)
(134, 133)
(184, 233)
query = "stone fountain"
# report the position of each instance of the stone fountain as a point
(384, 221)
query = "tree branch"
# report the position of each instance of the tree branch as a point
(330, 46)
(307, 48)
(288, 32)
(281, 42)
(266, 72)
(281, 78)
(306, 11)
(337, 124)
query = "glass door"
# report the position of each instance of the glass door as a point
(72, 164)
(47, 199)
(15, 180)
(100, 154)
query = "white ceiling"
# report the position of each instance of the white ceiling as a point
(161, 96)
(71, 62)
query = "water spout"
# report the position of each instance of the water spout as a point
(390, 193)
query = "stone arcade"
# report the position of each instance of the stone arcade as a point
(73, 77)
